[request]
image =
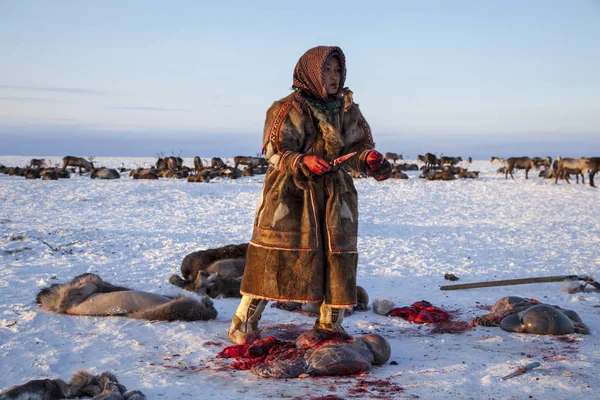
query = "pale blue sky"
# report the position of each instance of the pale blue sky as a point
(483, 77)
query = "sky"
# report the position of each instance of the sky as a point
(469, 78)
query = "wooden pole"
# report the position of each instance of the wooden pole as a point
(523, 281)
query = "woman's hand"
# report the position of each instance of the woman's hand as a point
(374, 159)
(316, 164)
(378, 167)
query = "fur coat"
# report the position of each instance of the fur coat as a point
(303, 245)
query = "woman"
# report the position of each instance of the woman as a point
(303, 247)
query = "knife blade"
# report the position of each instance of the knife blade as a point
(342, 159)
(521, 370)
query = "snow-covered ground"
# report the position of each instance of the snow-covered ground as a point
(136, 233)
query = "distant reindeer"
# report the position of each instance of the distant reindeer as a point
(393, 156)
(566, 166)
(525, 163)
(248, 161)
(431, 160)
(450, 160)
(217, 163)
(37, 162)
(198, 164)
(594, 165)
(70, 161)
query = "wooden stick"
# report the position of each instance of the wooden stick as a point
(523, 281)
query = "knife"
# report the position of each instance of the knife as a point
(521, 370)
(342, 159)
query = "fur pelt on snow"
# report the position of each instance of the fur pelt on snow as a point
(82, 385)
(64, 298)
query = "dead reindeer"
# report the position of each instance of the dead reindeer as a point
(519, 163)
(566, 166)
(70, 161)
(195, 264)
(105, 173)
(221, 279)
(83, 384)
(88, 294)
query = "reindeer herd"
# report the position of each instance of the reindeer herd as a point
(433, 168)
(561, 168)
(164, 167)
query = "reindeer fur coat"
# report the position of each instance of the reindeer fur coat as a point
(303, 246)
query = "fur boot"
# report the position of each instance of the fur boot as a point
(244, 324)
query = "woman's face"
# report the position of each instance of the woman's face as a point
(332, 74)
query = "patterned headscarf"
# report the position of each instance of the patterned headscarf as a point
(308, 74)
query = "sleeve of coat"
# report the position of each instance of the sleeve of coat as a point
(282, 136)
(360, 139)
